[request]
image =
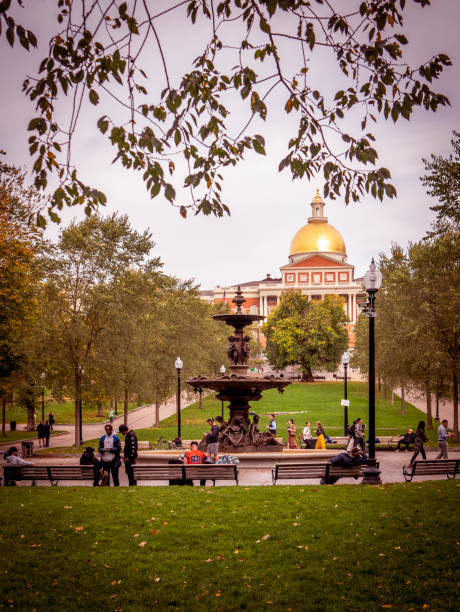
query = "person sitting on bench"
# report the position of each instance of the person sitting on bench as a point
(408, 438)
(12, 460)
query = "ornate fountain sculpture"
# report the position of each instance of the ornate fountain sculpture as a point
(239, 389)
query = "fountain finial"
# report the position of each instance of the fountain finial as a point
(239, 300)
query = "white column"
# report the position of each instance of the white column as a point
(261, 305)
(265, 306)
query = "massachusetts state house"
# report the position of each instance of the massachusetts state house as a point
(317, 265)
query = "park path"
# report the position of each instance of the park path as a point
(418, 399)
(139, 418)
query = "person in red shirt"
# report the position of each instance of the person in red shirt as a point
(194, 456)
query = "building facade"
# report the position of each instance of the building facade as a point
(317, 266)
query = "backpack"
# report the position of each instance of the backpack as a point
(350, 430)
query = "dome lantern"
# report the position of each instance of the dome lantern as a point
(317, 236)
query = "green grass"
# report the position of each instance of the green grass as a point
(313, 402)
(12, 436)
(227, 548)
(64, 412)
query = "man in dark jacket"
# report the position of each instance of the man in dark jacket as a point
(345, 458)
(212, 440)
(88, 458)
(129, 452)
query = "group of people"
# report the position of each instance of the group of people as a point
(420, 438)
(307, 438)
(110, 456)
(44, 430)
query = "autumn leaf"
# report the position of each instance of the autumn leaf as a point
(266, 537)
(142, 544)
(79, 528)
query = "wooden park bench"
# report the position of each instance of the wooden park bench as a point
(310, 470)
(171, 471)
(432, 467)
(52, 473)
(319, 378)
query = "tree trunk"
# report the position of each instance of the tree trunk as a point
(125, 406)
(157, 407)
(402, 399)
(385, 390)
(201, 400)
(3, 416)
(99, 408)
(392, 397)
(116, 404)
(30, 405)
(77, 376)
(429, 417)
(455, 385)
(307, 375)
(380, 384)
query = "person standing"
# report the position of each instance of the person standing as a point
(420, 438)
(47, 433)
(272, 425)
(129, 452)
(51, 420)
(41, 434)
(443, 439)
(110, 449)
(306, 435)
(358, 436)
(292, 435)
(212, 440)
(111, 415)
(321, 440)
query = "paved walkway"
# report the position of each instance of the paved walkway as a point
(418, 399)
(138, 418)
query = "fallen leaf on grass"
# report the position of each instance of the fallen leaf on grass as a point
(266, 537)
(142, 544)
(79, 528)
(295, 524)
(157, 579)
(155, 531)
(208, 561)
(136, 535)
(381, 555)
(67, 507)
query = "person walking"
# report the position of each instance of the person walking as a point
(47, 433)
(129, 452)
(111, 415)
(51, 420)
(351, 433)
(110, 449)
(212, 440)
(292, 435)
(443, 439)
(272, 425)
(358, 435)
(41, 434)
(321, 440)
(420, 438)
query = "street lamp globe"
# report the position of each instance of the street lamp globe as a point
(222, 369)
(372, 279)
(346, 358)
(43, 376)
(178, 364)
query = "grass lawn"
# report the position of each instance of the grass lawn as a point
(311, 401)
(11, 436)
(64, 412)
(229, 548)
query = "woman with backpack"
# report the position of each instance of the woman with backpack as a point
(321, 441)
(420, 438)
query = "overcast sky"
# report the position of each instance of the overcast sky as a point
(267, 208)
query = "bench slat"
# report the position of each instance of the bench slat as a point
(432, 467)
(158, 472)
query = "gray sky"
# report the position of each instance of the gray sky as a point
(267, 208)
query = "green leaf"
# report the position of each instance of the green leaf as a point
(93, 96)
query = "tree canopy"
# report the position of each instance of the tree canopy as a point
(256, 56)
(311, 334)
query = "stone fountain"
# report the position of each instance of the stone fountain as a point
(239, 388)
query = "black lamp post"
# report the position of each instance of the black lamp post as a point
(372, 283)
(345, 362)
(222, 371)
(178, 365)
(42, 377)
(80, 411)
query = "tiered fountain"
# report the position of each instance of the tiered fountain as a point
(238, 388)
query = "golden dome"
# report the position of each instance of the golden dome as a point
(319, 237)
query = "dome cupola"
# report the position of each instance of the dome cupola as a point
(317, 236)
